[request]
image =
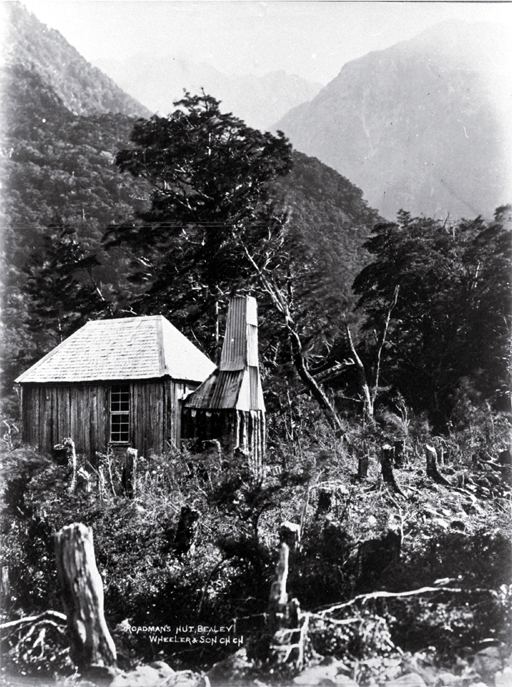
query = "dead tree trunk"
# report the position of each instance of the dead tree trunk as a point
(281, 302)
(82, 595)
(368, 406)
(129, 476)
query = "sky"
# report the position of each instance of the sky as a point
(311, 39)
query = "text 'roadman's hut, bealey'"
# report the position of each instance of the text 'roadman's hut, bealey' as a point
(138, 382)
(113, 383)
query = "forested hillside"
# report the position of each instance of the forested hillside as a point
(44, 51)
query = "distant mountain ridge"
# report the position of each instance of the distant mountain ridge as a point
(159, 81)
(83, 89)
(423, 125)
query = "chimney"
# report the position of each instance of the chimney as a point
(240, 350)
(240, 347)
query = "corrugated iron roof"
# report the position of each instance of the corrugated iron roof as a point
(122, 349)
(238, 389)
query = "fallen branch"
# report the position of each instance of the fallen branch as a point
(395, 595)
(51, 616)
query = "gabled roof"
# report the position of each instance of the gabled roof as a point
(122, 349)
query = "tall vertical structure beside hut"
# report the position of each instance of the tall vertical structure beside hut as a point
(113, 384)
(229, 405)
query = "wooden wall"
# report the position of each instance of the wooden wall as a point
(52, 412)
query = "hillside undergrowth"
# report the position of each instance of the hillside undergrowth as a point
(198, 545)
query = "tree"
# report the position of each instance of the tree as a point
(210, 176)
(212, 227)
(61, 287)
(452, 317)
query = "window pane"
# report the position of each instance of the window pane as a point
(120, 399)
(119, 427)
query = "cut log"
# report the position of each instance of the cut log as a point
(82, 596)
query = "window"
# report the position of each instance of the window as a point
(120, 414)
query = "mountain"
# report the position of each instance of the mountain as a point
(82, 88)
(423, 125)
(159, 81)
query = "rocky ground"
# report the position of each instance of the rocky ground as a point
(488, 667)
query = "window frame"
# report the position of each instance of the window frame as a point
(119, 408)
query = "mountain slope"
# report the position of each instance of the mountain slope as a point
(259, 101)
(82, 87)
(423, 125)
(58, 164)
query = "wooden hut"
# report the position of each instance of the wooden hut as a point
(229, 405)
(113, 383)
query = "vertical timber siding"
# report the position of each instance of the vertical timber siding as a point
(82, 411)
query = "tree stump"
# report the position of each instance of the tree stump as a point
(362, 469)
(65, 454)
(375, 556)
(286, 623)
(432, 470)
(278, 598)
(399, 447)
(324, 500)
(289, 533)
(82, 595)
(185, 531)
(129, 476)
(387, 459)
